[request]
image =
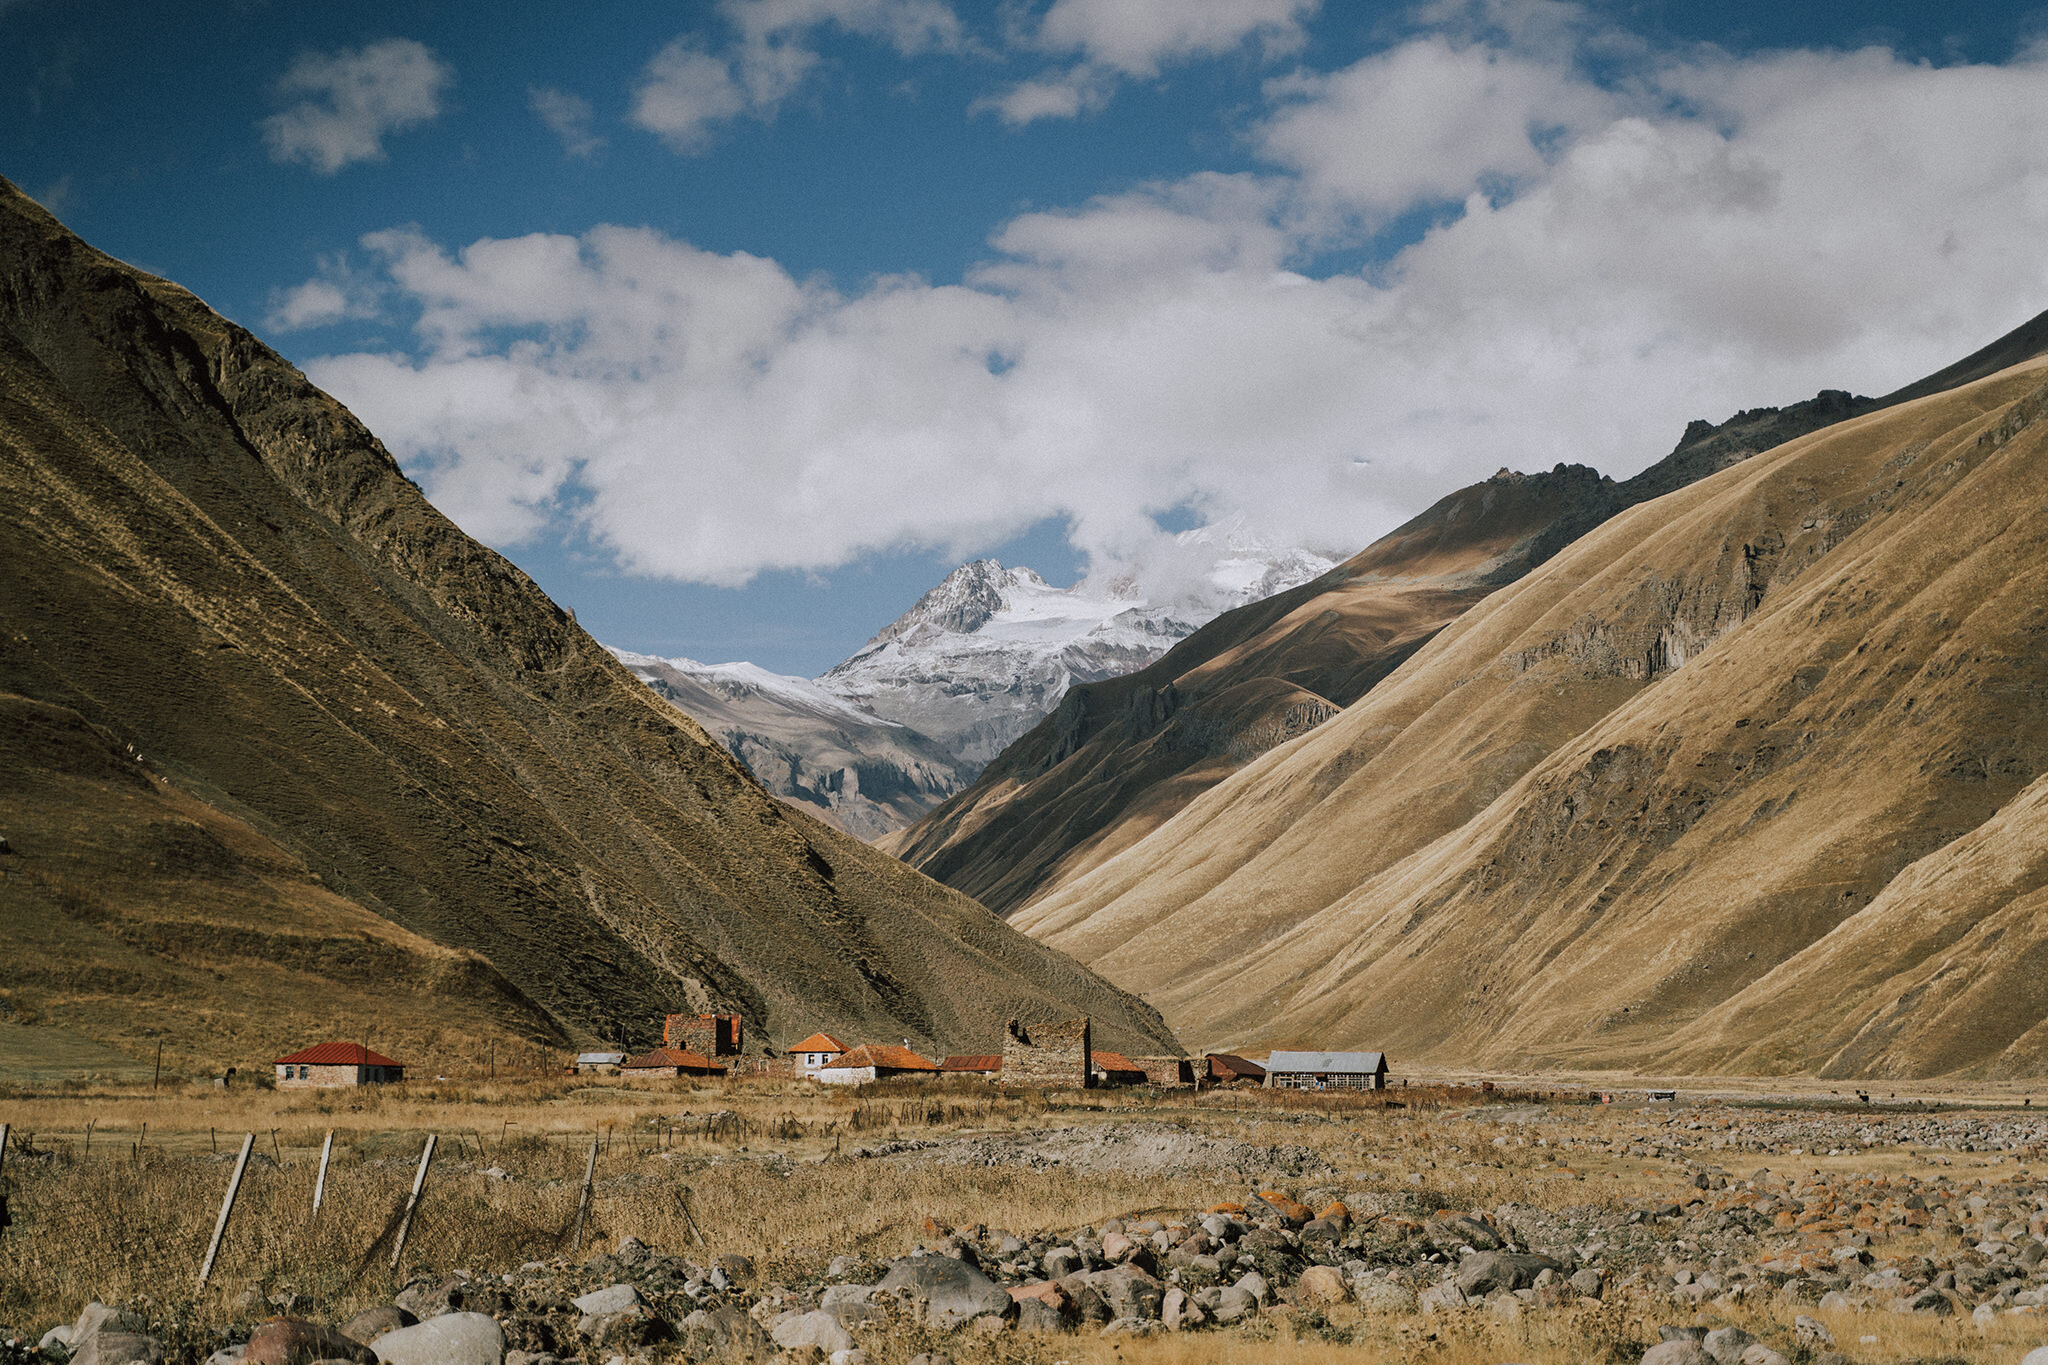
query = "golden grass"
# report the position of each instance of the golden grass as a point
(764, 1169)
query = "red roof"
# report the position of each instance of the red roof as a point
(1229, 1066)
(885, 1056)
(672, 1056)
(338, 1054)
(818, 1042)
(991, 1062)
(1115, 1061)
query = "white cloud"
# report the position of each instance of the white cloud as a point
(337, 293)
(353, 99)
(568, 117)
(1133, 39)
(688, 90)
(1721, 233)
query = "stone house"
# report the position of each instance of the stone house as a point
(331, 1064)
(875, 1062)
(1166, 1072)
(1047, 1056)
(1113, 1068)
(1224, 1068)
(671, 1061)
(707, 1035)
(1326, 1071)
(815, 1053)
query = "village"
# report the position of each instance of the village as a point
(1049, 1056)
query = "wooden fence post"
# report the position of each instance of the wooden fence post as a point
(583, 1199)
(227, 1206)
(419, 1182)
(320, 1181)
(153, 1080)
(4, 1220)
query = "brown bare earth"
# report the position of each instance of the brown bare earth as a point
(1747, 779)
(1120, 758)
(285, 756)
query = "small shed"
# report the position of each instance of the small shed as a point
(815, 1053)
(973, 1064)
(1167, 1072)
(332, 1064)
(598, 1063)
(671, 1061)
(1113, 1068)
(1326, 1071)
(875, 1062)
(1224, 1068)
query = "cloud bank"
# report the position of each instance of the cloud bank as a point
(1609, 260)
(353, 99)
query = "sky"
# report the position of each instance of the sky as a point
(739, 323)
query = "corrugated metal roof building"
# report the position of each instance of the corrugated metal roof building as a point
(1326, 1071)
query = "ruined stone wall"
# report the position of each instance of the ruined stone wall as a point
(707, 1035)
(1047, 1056)
(1166, 1071)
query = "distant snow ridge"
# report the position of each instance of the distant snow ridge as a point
(989, 652)
(811, 748)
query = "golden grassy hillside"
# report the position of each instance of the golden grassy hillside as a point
(285, 749)
(1119, 758)
(1743, 779)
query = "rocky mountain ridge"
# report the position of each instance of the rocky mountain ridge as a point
(289, 753)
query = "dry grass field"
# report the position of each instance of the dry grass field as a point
(115, 1190)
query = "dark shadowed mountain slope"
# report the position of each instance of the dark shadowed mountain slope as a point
(287, 754)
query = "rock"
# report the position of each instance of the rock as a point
(449, 1339)
(1117, 1247)
(1588, 1283)
(1760, 1354)
(1234, 1303)
(2038, 1356)
(226, 1355)
(1129, 1292)
(110, 1347)
(950, 1291)
(1440, 1298)
(1291, 1213)
(735, 1266)
(425, 1299)
(819, 1329)
(931, 1358)
(1254, 1284)
(617, 1298)
(1381, 1294)
(1684, 1351)
(293, 1341)
(58, 1336)
(724, 1332)
(371, 1323)
(1322, 1285)
(1036, 1316)
(96, 1317)
(843, 1268)
(1726, 1345)
(852, 1355)
(1484, 1272)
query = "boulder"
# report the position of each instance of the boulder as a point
(1760, 1354)
(425, 1299)
(724, 1332)
(1440, 1298)
(1684, 1351)
(819, 1329)
(1235, 1303)
(1040, 1317)
(449, 1339)
(96, 1317)
(371, 1323)
(2038, 1356)
(293, 1341)
(1484, 1272)
(1383, 1294)
(1322, 1285)
(1589, 1283)
(110, 1346)
(1725, 1345)
(1254, 1284)
(1129, 1292)
(616, 1298)
(950, 1291)
(1292, 1213)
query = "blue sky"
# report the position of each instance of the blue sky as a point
(738, 324)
